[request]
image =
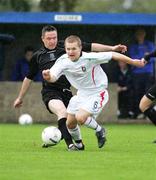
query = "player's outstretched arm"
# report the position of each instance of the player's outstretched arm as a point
(103, 48)
(48, 76)
(24, 88)
(135, 62)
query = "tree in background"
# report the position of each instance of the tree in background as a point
(69, 5)
(117, 6)
(104, 6)
(57, 5)
(49, 5)
(15, 5)
(20, 5)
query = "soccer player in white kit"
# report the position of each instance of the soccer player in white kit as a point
(84, 73)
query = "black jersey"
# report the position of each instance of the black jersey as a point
(45, 59)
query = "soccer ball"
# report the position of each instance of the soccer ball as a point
(51, 135)
(25, 119)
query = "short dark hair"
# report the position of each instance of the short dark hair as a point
(48, 28)
(28, 48)
(73, 38)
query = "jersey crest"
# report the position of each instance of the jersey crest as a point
(52, 57)
(83, 68)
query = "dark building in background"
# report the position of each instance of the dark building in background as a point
(104, 28)
(4, 40)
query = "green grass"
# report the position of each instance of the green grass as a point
(129, 154)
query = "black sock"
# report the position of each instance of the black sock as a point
(151, 114)
(65, 134)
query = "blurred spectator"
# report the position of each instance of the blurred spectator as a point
(142, 77)
(124, 81)
(4, 39)
(21, 68)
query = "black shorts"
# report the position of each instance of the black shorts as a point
(151, 93)
(64, 95)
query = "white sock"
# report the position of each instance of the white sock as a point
(91, 123)
(75, 133)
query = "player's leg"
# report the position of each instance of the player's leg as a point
(57, 107)
(146, 104)
(72, 125)
(74, 131)
(55, 103)
(147, 108)
(90, 108)
(86, 118)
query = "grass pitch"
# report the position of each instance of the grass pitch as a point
(129, 154)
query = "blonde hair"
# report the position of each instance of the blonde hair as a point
(72, 39)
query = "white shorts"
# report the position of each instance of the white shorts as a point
(93, 104)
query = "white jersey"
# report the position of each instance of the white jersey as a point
(85, 74)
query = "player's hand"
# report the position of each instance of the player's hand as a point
(18, 103)
(120, 48)
(46, 74)
(140, 63)
(143, 62)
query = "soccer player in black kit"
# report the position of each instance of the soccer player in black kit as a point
(56, 95)
(147, 103)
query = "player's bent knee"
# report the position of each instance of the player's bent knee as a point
(81, 122)
(80, 119)
(144, 104)
(70, 125)
(141, 107)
